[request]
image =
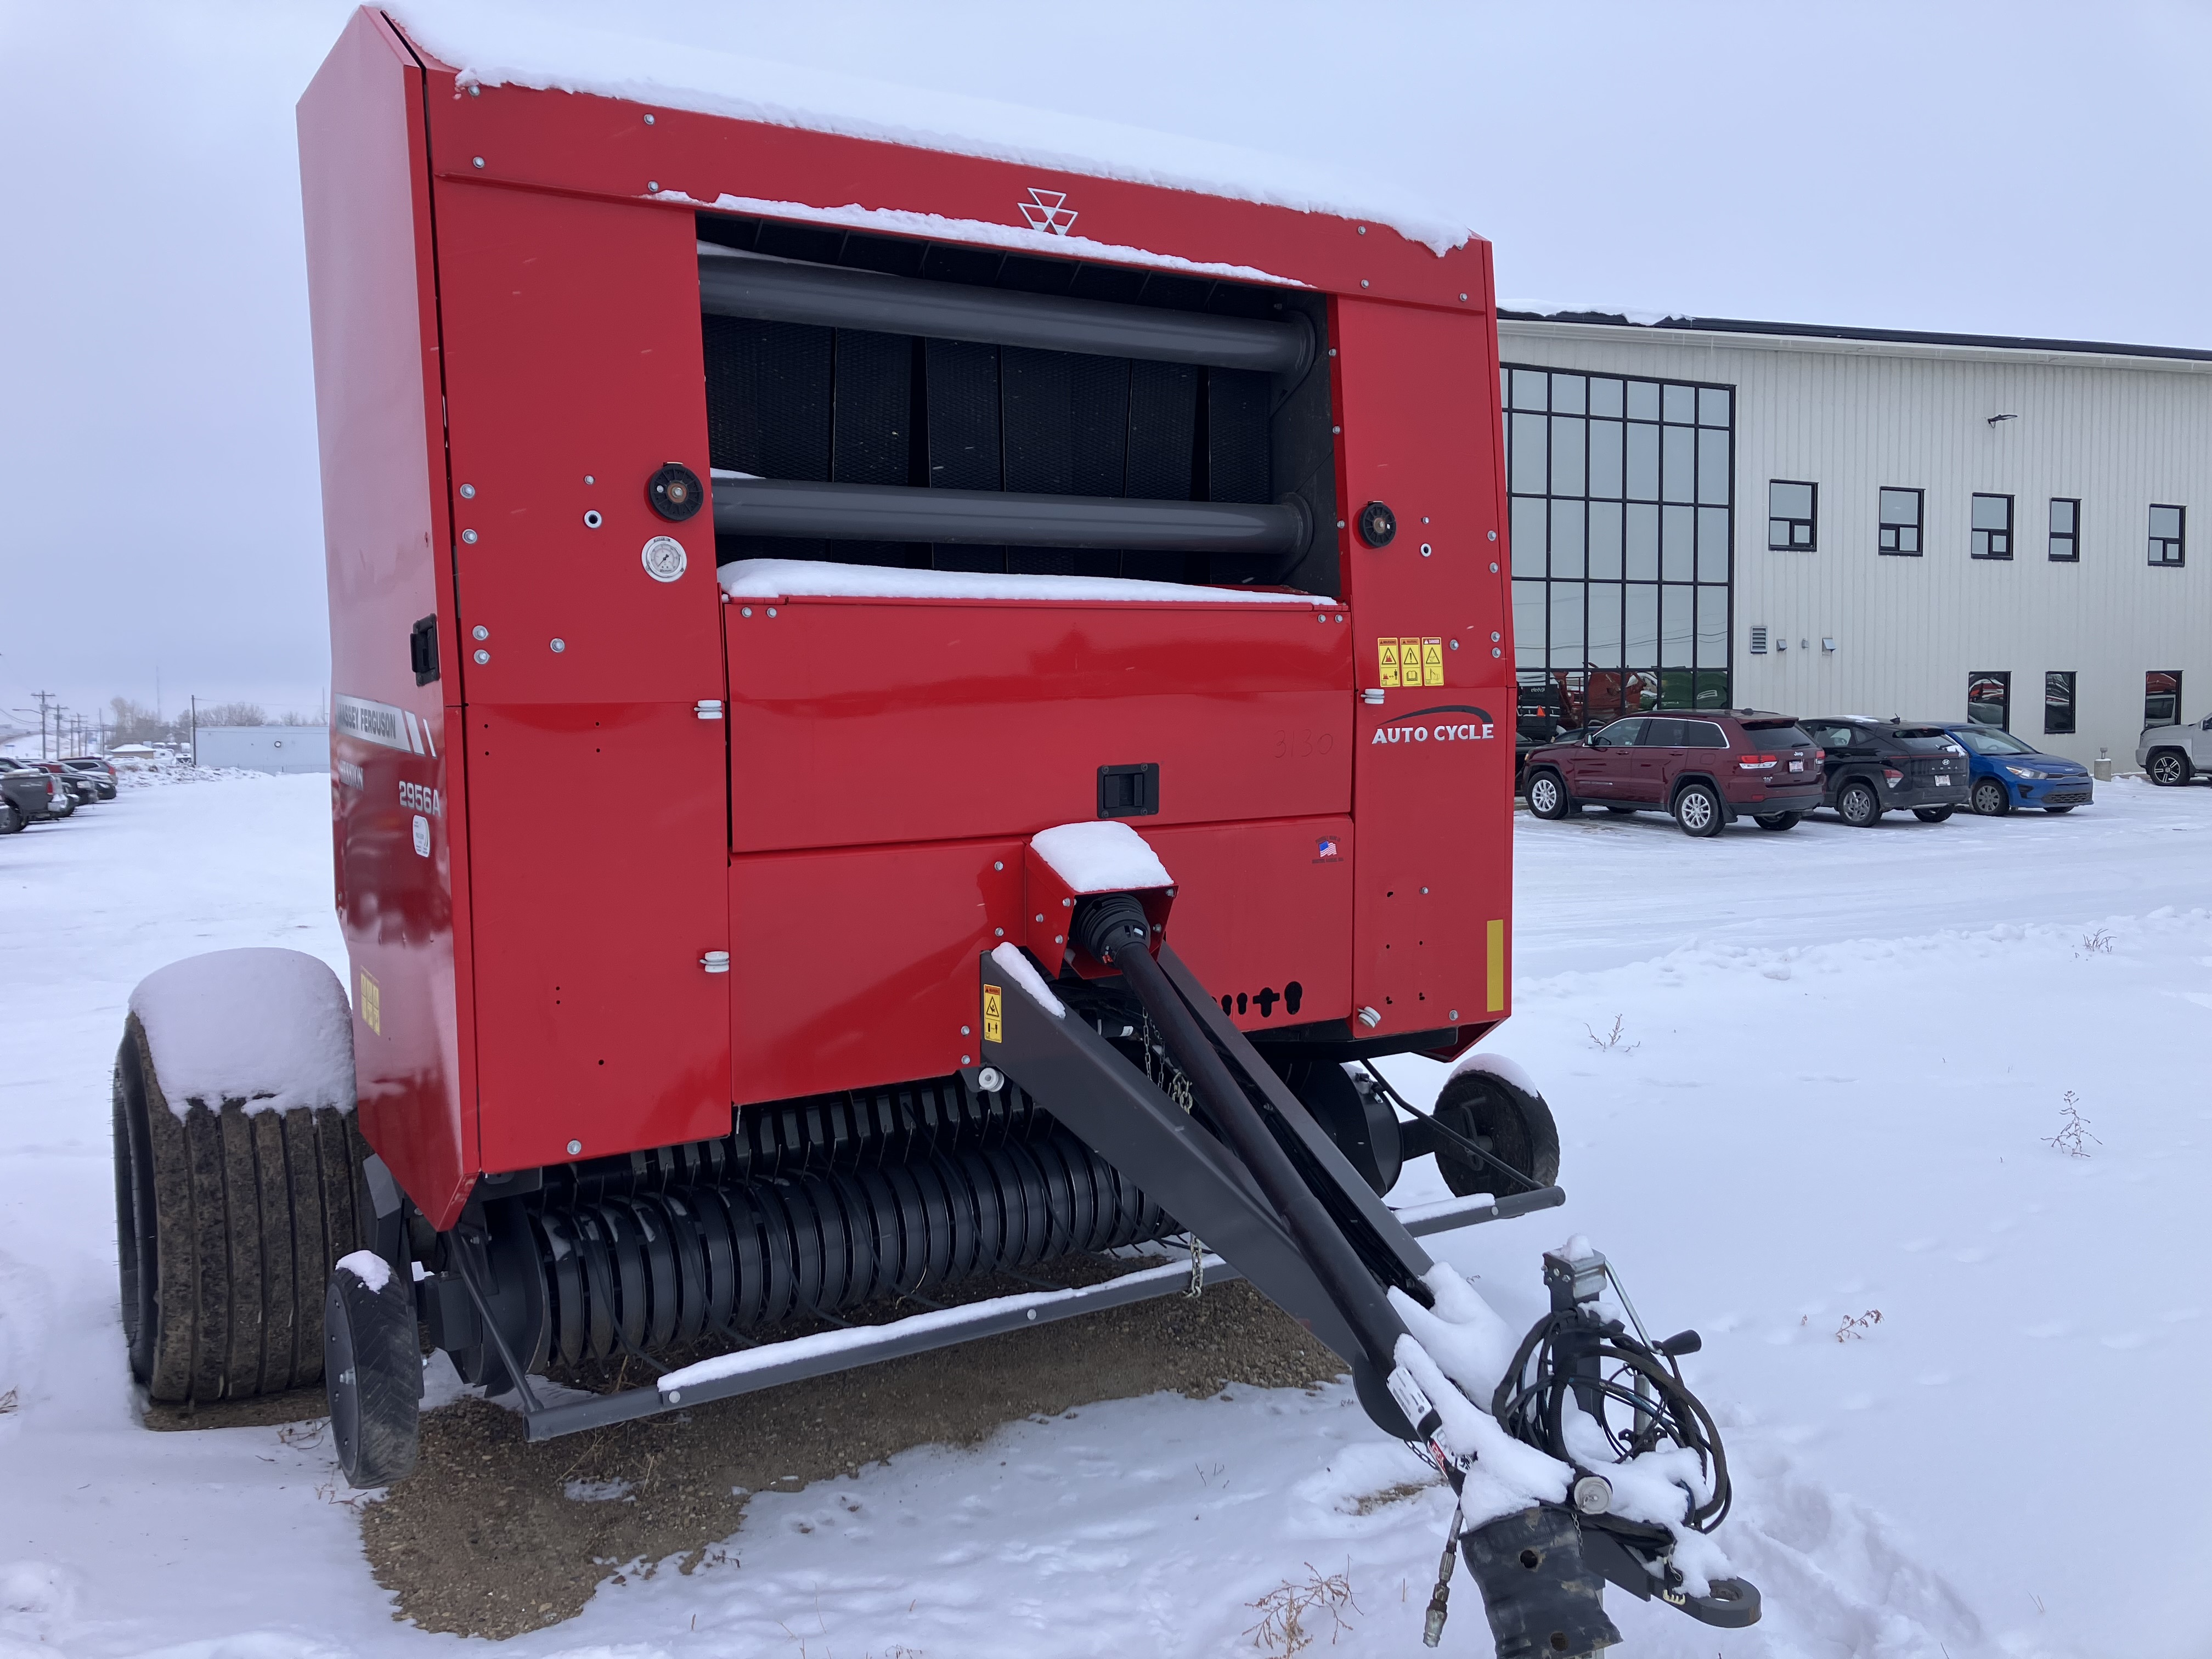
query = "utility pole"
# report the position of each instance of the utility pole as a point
(45, 698)
(196, 734)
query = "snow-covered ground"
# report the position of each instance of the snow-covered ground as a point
(1841, 1054)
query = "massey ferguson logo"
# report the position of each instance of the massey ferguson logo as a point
(1047, 209)
(1419, 727)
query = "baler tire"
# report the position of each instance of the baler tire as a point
(1519, 1125)
(225, 1223)
(373, 1373)
(1932, 814)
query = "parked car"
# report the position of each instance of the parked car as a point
(2011, 772)
(30, 795)
(1873, 766)
(92, 767)
(78, 787)
(2172, 755)
(1707, 767)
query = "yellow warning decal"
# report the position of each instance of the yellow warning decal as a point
(1388, 651)
(1409, 662)
(995, 1011)
(372, 1004)
(1497, 967)
(1433, 662)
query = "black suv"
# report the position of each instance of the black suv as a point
(1877, 766)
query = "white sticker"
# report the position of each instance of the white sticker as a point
(664, 558)
(422, 837)
(1412, 1398)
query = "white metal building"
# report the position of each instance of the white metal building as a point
(265, 748)
(1826, 521)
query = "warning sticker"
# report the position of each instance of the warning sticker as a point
(1389, 650)
(1433, 662)
(995, 1009)
(372, 1000)
(1409, 662)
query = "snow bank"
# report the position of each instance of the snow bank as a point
(777, 579)
(682, 58)
(269, 1027)
(1101, 857)
(1017, 969)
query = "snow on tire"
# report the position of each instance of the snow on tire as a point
(231, 1203)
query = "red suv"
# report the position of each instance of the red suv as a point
(1707, 767)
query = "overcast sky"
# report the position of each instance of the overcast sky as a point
(1997, 169)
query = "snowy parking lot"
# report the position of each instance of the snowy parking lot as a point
(1815, 1092)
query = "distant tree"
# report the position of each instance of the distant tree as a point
(231, 714)
(294, 717)
(134, 722)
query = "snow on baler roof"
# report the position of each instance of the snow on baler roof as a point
(682, 67)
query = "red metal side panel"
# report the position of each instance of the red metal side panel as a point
(1417, 392)
(403, 902)
(855, 967)
(573, 373)
(573, 353)
(599, 1023)
(861, 721)
(1263, 914)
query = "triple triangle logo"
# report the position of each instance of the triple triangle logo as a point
(1047, 209)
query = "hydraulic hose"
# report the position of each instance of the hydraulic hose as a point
(1113, 929)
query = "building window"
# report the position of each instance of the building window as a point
(1993, 526)
(2166, 524)
(1790, 515)
(2065, 530)
(2057, 704)
(1900, 522)
(1989, 698)
(2161, 697)
(1622, 530)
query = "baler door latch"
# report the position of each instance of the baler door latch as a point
(708, 708)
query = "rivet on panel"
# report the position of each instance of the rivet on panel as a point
(997, 864)
(484, 656)
(1494, 535)
(1454, 644)
(1463, 298)
(1363, 230)
(480, 632)
(771, 611)
(468, 492)
(1495, 652)
(589, 479)
(476, 92)
(963, 1031)
(469, 536)
(648, 121)
(1363, 282)
(744, 611)
(652, 186)
(967, 1060)
(477, 160)
(560, 645)
(574, 1147)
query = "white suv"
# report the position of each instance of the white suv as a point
(2171, 754)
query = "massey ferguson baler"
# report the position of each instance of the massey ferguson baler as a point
(902, 717)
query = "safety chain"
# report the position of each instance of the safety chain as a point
(1169, 1079)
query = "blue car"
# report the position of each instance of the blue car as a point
(2006, 773)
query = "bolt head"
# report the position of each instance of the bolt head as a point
(653, 185)
(1363, 282)
(560, 645)
(997, 864)
(648, 121)
(963, 1030)
(484, 656)
(469, 536)
(480, 632)
(468, 492)
(574, 1147)
(477, 160)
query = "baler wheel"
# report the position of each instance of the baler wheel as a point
(1514, 1125)
(227, 1223)
(372, 1369)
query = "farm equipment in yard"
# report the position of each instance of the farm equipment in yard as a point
(881, 746)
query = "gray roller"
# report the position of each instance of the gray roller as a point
(783, 291)
(894, 512)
